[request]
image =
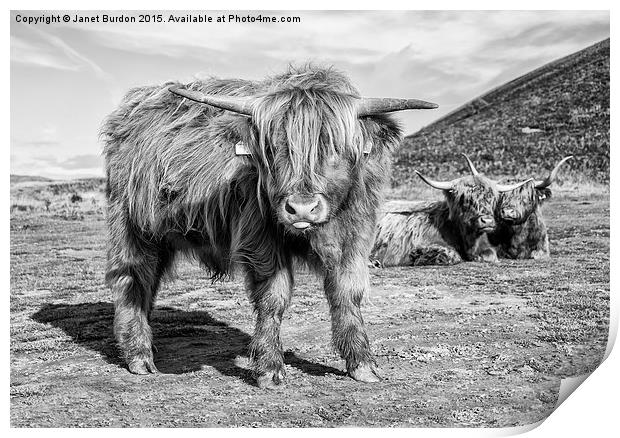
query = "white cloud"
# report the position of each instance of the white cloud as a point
(25, 52)
(47, 50)
(38, 137)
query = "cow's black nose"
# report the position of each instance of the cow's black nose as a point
(304, 210)
(301, 207)
(509, 213)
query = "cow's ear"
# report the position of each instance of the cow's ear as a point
(543, 194)
(382, 131)
(449, 194)
(233, 131)
(243, 127)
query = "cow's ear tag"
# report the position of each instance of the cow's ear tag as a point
(367, 147)
(242, 149)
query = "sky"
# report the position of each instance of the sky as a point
(66, 77)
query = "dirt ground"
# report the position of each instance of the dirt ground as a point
(468, 345)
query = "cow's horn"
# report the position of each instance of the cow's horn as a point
(241, 105)
(508, 187)
(369, 106)
(441, 185)
(551, 177)
(472, 169)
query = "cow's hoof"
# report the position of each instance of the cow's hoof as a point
(142, 366)
(540, 255)
(365, 373)
(490, 258)
(270, 380)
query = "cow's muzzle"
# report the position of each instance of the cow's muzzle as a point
(303, 211)
(485, 223)
(509, 214)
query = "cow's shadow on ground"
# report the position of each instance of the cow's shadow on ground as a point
(184, 341)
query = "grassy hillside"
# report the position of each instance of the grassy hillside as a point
(524, 126)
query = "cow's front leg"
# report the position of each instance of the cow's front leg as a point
(486, 255)
(345, 287)
(270, 297)
(541, 248)
(480, 249)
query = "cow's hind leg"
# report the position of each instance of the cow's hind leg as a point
(134, 273)
(270, 297)
(434, 255)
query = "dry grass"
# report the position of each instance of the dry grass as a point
(467, 345)
(67, 199)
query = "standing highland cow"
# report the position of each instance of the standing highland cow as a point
(312, 158)
(445, 232)
(521, 231)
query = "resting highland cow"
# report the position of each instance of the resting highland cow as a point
(521, 232)
(441, 233)
(304, 185)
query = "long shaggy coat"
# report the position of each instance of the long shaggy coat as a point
(174, 184)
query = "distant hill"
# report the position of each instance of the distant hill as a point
(42, 187)
(24, 178)
(524, 126)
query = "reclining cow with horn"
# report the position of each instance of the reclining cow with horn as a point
(442, 232)
(521, 231)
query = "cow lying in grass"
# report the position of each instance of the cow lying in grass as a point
(443, 232)
(521, 231)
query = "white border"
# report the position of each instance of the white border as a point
(593, 408)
